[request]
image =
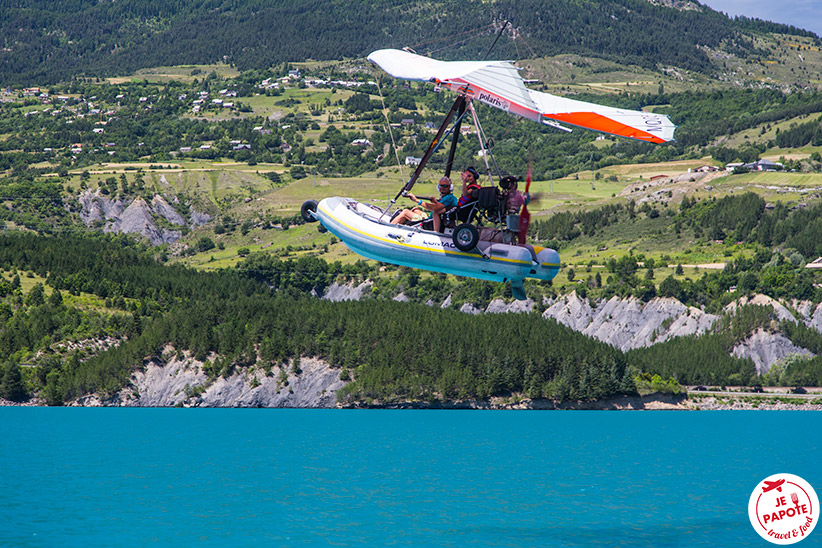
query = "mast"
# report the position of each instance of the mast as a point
(456, 138)
(459, 105)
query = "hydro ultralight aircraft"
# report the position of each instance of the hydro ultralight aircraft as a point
(462, 248)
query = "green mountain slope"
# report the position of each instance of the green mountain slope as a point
(44, 42)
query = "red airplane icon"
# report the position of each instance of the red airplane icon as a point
(771, 485)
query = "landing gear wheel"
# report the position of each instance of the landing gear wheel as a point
(308, 211)
(465, 237)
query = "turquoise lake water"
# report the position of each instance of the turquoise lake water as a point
(282, 477)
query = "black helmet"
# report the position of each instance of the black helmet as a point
(507, 182)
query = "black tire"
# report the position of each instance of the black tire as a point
(465, 237)
(308, 211)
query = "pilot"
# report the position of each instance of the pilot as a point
(435, 206)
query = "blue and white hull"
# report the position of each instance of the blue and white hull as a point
(359, 226)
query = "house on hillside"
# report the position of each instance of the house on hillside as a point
(411, 161)
(768, 165)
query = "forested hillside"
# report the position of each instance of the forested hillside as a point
(236, 324)
(393, 351)
(45, 42)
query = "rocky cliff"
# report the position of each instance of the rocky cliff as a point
(182, 382)
(765, 349)
(630, 323)
(136, 216)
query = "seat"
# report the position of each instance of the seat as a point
(450, 218)
(464, 211)
(488, 197)
(489, 207)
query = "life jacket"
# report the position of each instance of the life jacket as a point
(473, 193)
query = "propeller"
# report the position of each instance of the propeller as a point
(536, 197)
(525, 216)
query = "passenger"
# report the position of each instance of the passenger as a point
(514, 199)
(470, 186)
(436, 206)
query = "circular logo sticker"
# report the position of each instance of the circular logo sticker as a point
(783, 509)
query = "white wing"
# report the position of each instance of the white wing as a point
(498, 83)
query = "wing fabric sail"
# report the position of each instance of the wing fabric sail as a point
(498, 83)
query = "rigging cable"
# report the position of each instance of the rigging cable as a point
(517, 35)
(449, 37)
(388, 125)
(431, 52)
(482, 141)
(512, 126)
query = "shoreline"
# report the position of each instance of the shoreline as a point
(724, 401)
(650, 402)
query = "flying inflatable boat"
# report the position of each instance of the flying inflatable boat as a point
(480, 240)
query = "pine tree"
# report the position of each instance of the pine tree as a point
(12, 388)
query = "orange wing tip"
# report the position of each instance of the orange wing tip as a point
(598, 122)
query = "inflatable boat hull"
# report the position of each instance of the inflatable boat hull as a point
(361, 228)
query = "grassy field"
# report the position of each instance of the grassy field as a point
(83, 301)
(773, 186)
(767, 132)
(307, 99)
(178, 73)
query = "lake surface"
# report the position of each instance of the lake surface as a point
(282, 477)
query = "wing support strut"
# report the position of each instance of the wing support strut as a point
(458, 106)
